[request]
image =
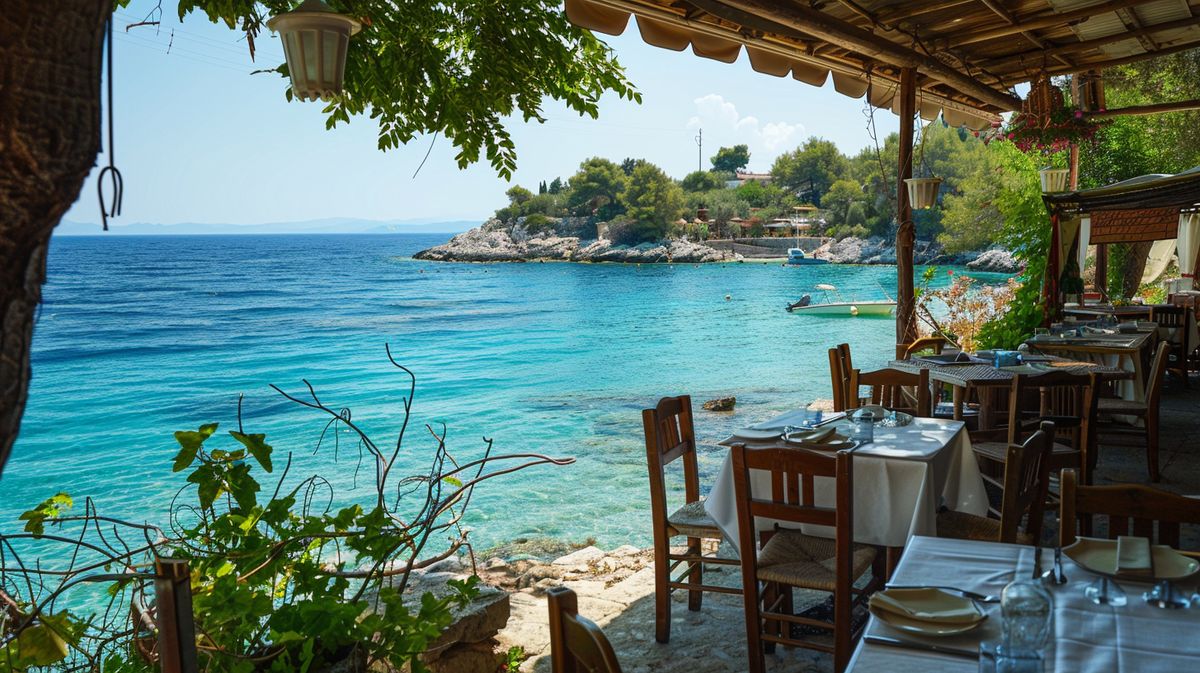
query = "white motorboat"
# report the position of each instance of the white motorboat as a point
(836, 305)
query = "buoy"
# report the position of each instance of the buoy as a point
(728, 297)
(853, 310)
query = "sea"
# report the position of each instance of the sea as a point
(139, 337)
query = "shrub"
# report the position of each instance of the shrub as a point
(538, 223)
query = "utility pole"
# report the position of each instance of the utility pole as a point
(700, 150)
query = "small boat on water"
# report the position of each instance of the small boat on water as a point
(797, 257)
(839, 306)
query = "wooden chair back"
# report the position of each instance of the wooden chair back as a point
(840, 366)
(1131, 509)
(1026, 480)
(670, 436)
(1169, 316)
(576, 644)
(1154, 383)
(895, 389)
(929, 343)
(792, 501)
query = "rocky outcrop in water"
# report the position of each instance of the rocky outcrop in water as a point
(495, 242)
(996, 260)
(876, 250)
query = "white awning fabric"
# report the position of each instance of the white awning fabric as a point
(670, 31)
(1186, 243)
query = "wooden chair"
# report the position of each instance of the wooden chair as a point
(840, 366)
(1123, 504)
(669, 437)
(895, 389)
(790, 558)
(1178, 320)
(1066, 399)
(1024, 497)
(1146, 410)
(929, 343)
(576, 644)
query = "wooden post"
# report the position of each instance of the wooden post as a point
(1095, 95)
(176, 630)
(906, 316)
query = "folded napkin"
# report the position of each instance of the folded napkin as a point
(1134, 558)
(928, 605)
(818, 436)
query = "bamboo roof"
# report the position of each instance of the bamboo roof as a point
(969, 54)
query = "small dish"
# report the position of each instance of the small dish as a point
(1100, 556)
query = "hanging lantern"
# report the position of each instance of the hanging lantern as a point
(314, 42)
(922, 192)
(1054, 179)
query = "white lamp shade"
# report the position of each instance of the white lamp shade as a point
(923, 192)
(1054, 179)
(315, 39)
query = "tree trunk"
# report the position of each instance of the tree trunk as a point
(1130, 264)
(50, 57)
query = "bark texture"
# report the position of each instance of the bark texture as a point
(50, 57)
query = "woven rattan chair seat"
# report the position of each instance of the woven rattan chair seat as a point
(963, 526)
(691, 520)
(800, 560)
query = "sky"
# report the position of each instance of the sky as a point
(200, 139)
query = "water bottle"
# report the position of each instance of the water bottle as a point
(1026, 610)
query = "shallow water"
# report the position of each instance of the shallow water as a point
(142, 336)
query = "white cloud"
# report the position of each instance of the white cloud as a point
(722, 118)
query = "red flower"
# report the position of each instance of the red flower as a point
(950, 272)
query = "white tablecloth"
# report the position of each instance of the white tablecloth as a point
(899, 481)
(1088, 638)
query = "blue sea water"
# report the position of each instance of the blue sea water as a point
(142, 336)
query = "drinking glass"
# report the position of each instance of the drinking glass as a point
(863, 428)
(1104, 591)
(1026, 609)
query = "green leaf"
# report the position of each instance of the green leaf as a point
(50, 508)
(190, 442)
(257, 446)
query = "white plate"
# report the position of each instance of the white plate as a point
(758, 435)
(934, 603)
(1100, 556)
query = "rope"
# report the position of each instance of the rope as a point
(110, 171)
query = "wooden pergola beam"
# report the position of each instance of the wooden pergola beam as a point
(1047, 20)
(906, 311)
(998, 65)
(1101, 65)
(849, 36)
(1003, 13)
(1155, 108)
(908, 11)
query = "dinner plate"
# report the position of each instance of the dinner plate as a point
(1100, 557)
(758, 435)
(929, 612)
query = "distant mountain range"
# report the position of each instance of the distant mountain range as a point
(333, 225)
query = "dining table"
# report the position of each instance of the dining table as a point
(976, 375)
(1085, 637)
(1129, 352)
(901, 479)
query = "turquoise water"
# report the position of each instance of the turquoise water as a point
(142, 336)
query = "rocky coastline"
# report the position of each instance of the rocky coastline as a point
(568, 241)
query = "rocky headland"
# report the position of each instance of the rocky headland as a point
(576, 240)
(497, 242)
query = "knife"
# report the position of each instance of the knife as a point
(924, 647)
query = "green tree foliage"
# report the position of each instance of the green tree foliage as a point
(596, 189)
(518, 195)
(459, 68)
(731, 159)
(1025, 232)
(628, 164)
(842, 196)
(701, 181)
(556, 186)
(723, 206)
(810, 170)
(653, 202)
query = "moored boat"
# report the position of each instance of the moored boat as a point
(839, 306)
(797, 257)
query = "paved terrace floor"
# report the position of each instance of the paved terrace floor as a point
(713, 639)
